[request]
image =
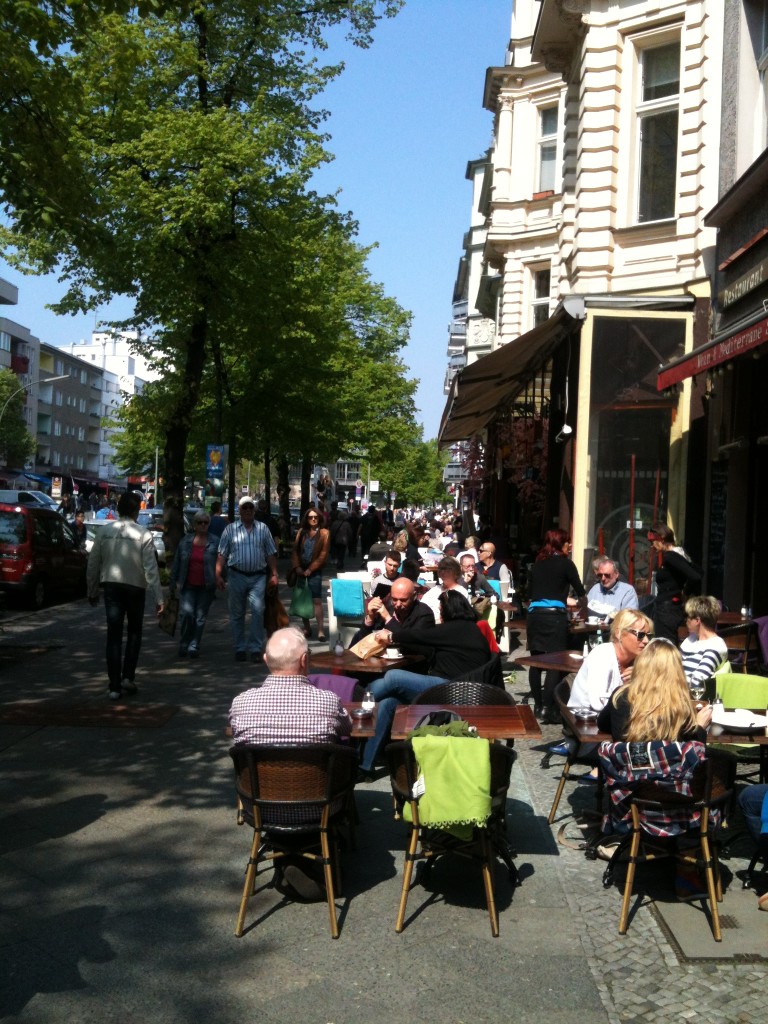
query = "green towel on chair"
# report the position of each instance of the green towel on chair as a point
(457, 780)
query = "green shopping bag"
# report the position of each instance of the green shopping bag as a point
(301, 601)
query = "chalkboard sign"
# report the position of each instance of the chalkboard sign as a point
(718, 500)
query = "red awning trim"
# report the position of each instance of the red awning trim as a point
(716, 352)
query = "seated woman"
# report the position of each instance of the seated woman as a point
(656, 704)
(703, 651)
(609, 666)
(451, 648)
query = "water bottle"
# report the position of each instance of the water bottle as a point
(598, 638)
(585, 649)
(338, 650)
(743, 611)
(369, 702)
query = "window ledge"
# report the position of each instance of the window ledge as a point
(650, 229)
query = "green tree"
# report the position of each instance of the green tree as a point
(156, 149)
(416, 476)
(16, 442)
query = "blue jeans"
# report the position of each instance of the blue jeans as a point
(194, 603)
(123, 601)
(396, 687)
(246, 592)
(751, 804)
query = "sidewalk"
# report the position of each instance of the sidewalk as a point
(123, 868)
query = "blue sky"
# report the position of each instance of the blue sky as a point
(406, 116)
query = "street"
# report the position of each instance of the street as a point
(123, 865)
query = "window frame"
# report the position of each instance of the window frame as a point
(546, 141)
(644, 110)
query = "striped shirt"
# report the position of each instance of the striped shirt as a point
(247, 550)
(702, 658)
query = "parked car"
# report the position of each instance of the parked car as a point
(38, 554)
(29, 498)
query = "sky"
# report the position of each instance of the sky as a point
(406, 117)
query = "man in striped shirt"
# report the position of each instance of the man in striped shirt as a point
(249, 553)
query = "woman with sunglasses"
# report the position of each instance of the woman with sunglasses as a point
(309, 555)
(609, 666)
(194, 573)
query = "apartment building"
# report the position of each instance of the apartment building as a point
(603, 167)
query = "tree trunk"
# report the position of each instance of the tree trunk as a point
(234, 497)
(177, 435)
(306, 476)
(268, 475)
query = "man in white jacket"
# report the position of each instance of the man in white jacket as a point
(122, 561)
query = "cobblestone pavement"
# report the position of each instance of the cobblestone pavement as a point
(121, 875)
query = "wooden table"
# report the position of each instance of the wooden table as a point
(560, 661)
(347, 664)
(493, 722)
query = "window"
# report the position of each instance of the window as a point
(83, 376)
(547, 148)
(56, 428)
(5, 341)
(82, 405)
(59, 398)
(658, 114)
(540, 300)
(81, 462)
(59, 366)
(81, 433)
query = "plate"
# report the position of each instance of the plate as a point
(739, 720)
(361, 713)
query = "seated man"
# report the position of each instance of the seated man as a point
(449, 650)
(391, 571)
(490, 566)
(610, 594)
(287, 708)
(392, 615)
(475, 583)
(449, 574)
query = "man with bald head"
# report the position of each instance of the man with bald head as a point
(390, 616)
(287, 708)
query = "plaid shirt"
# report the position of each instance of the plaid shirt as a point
(670, 764)
(288, 709)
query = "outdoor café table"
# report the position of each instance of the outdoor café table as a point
(493, 722)
(560, 661)
(362, 728)
(348, 664)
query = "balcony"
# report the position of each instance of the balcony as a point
(20, 364)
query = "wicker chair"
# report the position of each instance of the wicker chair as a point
(426, 843)
(576, 755)
(295, 797)
(464, 691)
(712, 789)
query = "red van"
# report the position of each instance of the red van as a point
(38, 554)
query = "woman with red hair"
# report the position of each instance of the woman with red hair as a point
(552, 577)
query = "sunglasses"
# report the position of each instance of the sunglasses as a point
(604, 575)
(640, 634)
(311, 518)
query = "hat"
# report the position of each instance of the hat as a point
(246, 500)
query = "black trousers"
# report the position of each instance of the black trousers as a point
(121, 602)
(547, 632)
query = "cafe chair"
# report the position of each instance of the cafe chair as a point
(346, 610)
(579, 753)
(427, 841)
(694, 800)
(737, 690)
(466, 692)
(743, 645)
(296, 798)
(489, 673)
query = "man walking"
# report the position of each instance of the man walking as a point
(249, 553)
(123, 562)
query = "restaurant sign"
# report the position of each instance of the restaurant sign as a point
(744, 285)
(703, 359)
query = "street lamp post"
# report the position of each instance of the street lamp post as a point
(43, 380)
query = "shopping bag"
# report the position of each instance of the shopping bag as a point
(301, 601)
(169, 616)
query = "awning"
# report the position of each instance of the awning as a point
(480, 389)
(40, 479)
(712, 354)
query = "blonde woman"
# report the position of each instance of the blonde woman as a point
(609, 666)
(656, 705)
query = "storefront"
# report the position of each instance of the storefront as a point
(730, 387)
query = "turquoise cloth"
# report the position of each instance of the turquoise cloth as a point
(457, 783)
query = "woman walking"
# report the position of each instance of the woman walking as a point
(309, 555)
(194, 573)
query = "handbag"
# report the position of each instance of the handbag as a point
(301, 601)
(292, 576)
(169, 616)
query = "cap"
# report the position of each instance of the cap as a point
(246, 500)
